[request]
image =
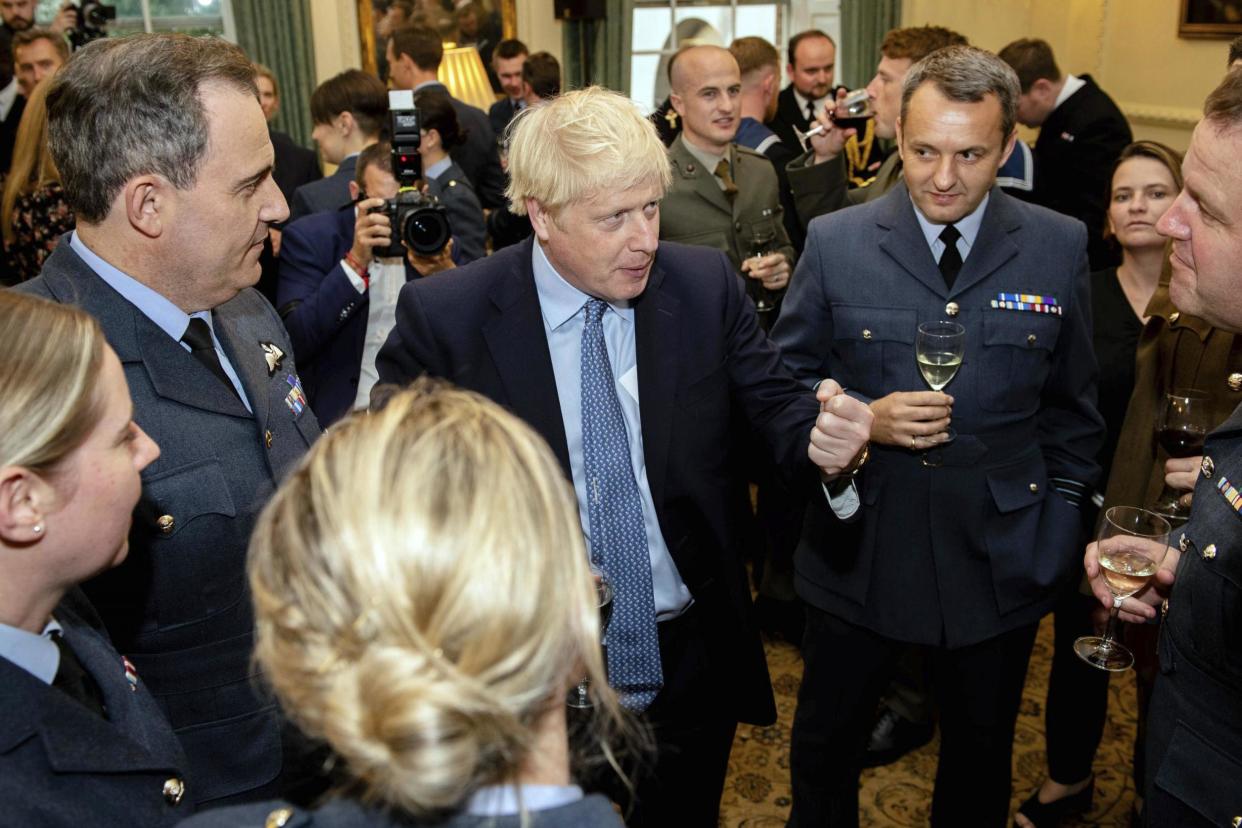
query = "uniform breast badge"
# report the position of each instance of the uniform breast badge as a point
(131, 675)
(1029, 302)
(296, 398)
(273, 355)
(1232, 496)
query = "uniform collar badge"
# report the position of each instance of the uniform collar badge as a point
(273, 355)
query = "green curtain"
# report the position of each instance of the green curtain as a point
(277, 33)
(606, 41)
(863, 26)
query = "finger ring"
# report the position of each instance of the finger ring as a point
(913, 440)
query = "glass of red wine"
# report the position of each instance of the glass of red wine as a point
(1180, 430)
(580, 696)
(851, 112)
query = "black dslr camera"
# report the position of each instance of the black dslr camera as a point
(93, 19)
(419, 221)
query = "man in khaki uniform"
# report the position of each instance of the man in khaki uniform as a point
(723, 195)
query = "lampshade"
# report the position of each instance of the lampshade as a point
(461, 70)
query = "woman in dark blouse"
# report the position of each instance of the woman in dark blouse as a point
(1145, 181)
(33, 212)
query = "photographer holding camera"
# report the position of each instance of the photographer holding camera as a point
(340, 274)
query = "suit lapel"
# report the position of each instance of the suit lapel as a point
(519, 348)
(245, 351)
(656, 318)
(993, 246)
(904, 242)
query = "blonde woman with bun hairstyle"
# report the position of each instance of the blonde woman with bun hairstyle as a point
(81, 740)
(424, 603)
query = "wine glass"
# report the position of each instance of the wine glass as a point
(939, 348)
(580, 696)
(762, 241)
(851, 112)
(1131, 544)
(1180, 430)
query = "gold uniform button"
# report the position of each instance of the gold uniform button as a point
(278, 818)
(1030, 339)
(1207, 466)
(1183, 543)
(267, 439)
(1235, 382)
(952, 309)
(174, 790)
(1174, 316)
(866, 333)
(1034, 488)
(1209, 552)
(166, 523)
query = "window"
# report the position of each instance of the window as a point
(190, 16)
(660, 28)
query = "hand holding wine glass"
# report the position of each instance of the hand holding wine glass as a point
(1131, 546)
(1181, 428)
(939, 348)
(580, 696)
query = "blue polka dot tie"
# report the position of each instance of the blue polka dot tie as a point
(618, 536)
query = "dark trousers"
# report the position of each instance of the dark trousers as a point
(977, 690)
(693, 734)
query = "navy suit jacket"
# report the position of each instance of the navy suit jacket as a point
(329, 193)
(61, 764)
(324, 313)
(702, 361)
(976, 543)
(179, 606)
(501, 113)
(295, 165)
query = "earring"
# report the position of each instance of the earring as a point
(37, 528)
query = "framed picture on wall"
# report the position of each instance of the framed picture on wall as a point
(1210, 18)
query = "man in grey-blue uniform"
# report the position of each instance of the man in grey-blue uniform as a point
(165, 159)
(958, 547)
(1194, 726)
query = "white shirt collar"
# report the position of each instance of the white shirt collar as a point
(1072, 85)
(8, 96)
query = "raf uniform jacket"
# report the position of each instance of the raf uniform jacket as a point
(179, 606)
(1074, 156)
(465, 214)
(324, 313)
(959, 544)
(696, 211)
(702, 360)
(590, 812)
(1194, 741)
(61, 764)
(329, 193)
(478, 155)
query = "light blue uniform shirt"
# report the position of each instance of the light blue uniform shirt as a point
(561, 306)
(36, 654)
(167, 317)
(968, 226)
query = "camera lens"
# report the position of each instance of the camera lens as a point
(426, 231)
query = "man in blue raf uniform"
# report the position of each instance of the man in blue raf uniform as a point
(166, 162)
(1194, 726)
(959, 547)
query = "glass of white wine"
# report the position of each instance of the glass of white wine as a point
(580, 695)
(1131, 544)
(939, 348)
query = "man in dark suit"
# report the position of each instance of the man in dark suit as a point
(337, 297)
(811, 67)
(349, 112)
(1194, 725)
(170, 223)
(962, 545)
(414, 55)
(571, 330)
(507, 63)
(1081, 134)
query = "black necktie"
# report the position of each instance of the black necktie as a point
(810, 112)
(73, 680)
(950, 259)
(198, 337)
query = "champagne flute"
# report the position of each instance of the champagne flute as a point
(1181, 429)
(939, 348)
(1131, 544)
(580, 696)
(762, 241)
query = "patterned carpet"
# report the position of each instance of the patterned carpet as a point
(757, 790)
